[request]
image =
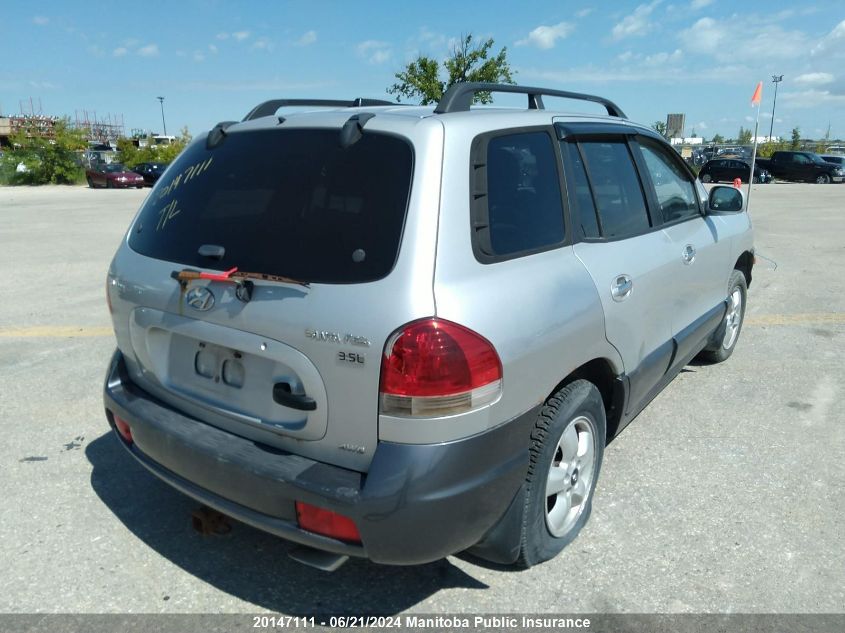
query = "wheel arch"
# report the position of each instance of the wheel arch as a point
(601, 373)
(744, 264)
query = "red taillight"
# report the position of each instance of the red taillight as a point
(123, 428)
(436, 367)
(326, 522)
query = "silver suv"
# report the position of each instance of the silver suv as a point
(401, 332)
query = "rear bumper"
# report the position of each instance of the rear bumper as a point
(417, 503)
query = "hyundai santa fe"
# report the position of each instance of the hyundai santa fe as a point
(400, 332)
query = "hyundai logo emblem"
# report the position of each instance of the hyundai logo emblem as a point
(200, 298)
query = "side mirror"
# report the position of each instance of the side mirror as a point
(724, 200)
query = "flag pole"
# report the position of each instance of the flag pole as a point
(755, 100)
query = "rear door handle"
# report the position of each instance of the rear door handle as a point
(283, 396)
(621, 287)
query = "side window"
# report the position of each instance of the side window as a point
(580, 195)
(672, 186)
(616, 187)
(800, 159)
(524, 206)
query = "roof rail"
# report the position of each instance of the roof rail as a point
(269, 107)
(458, 97)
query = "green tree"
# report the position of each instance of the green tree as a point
(659, 127)
(131, 155)
(421, 79)
(717, 139)
(45, 160)
(796, 139)
(744, 137)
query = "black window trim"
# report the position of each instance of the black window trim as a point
(478, 195)
(651, 195)
(613, 134)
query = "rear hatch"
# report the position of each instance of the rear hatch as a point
(291, 363)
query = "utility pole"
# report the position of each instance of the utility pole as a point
(163, 124)
(776, 79)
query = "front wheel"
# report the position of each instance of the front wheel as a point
(90, 182)
(727, 334)
(567, 446)
(706, 178)
(822, 179)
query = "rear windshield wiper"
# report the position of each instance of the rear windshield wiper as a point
(243, 279)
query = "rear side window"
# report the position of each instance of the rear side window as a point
(616, 187)
(524, 206)
(292, 203)
(584, 218)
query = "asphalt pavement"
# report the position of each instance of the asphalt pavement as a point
(727, 494)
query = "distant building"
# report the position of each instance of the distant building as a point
(675, 125)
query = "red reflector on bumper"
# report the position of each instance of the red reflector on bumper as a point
(123, 428)
(326, 522)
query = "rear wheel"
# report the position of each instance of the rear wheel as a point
(726, 336)
(90, 182)
(706, 178)
(822, 179)
(109, 184)
(567, 446)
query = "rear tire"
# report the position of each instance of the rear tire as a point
(567, 446)
(90, 182)
(706, 178)
(727, 334)
(109, 184)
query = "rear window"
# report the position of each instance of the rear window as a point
(292, 203)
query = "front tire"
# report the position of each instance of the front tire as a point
(567, 446)
(822, 179)
(727, 334)
(706, 178)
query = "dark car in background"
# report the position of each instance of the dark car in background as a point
(836, 159)
(112, 175)
(803, 167)
(150, 171)
(729, 169)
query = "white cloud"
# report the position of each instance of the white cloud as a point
(241, 35)
(637, 23)
(832, 42)
(695, 5)
(760, 41)
(40, 20)
(659, 59)
(120, 51)
(150, 50)
(212, 49)
(263, 44)
(583, 13)
(198, 56)
(374, 51)
(815, 78)
(702, 125)
(545, 36)
(222, 36)
(309, 37)
(812, 98)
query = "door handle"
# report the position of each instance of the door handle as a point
(689, 254)
(621, 287)
(283, 396)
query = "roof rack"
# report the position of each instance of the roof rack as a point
(458, 97)
(269, 107)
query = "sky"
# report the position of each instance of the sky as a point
(213, 60)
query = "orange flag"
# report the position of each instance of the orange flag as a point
(758, 94)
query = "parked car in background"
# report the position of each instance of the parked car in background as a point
(837, 159)
(112, 175)
(728, 169)
(150, 171)
(802, 167)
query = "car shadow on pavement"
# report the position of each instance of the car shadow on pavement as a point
(247, 563)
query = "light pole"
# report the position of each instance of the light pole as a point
(776, 79)
(163, 124)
